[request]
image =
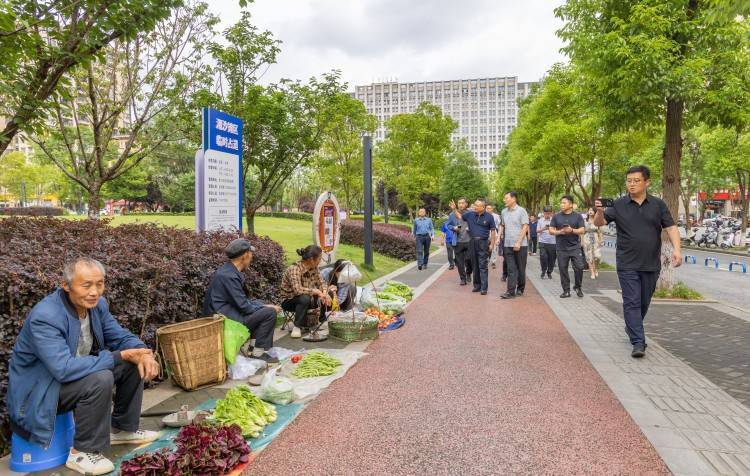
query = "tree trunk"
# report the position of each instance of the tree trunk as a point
(94, 204)
(671, 185)
(249, 217)
(743, 183)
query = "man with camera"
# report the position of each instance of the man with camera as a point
(640, 219)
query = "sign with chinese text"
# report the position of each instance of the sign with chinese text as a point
(327, 225)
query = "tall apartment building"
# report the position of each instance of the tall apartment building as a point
(486, 109)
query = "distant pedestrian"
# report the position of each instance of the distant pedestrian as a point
(592, 244)
(483, 236)
(463, 245)
(424, 234)
(547, 244)
(515, 226)
(532, 235)
(640, 218)
(568, 226)
(495, 249)
(450, 238)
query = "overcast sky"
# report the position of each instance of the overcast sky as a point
(409, 40)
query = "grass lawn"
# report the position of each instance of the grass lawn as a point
(291, 234)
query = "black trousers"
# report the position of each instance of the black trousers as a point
(533, 244)
(516, 268)
(261, 324)
(564, 257)
(480, 257)
(299, 305)
(637, 289)
(464, 260)
(90, 399)
(547, 257)
(451, 251)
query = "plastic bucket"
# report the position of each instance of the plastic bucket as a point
(26, 457)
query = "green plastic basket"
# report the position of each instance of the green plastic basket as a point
(353, 331)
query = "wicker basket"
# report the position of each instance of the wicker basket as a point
(353, 331)
(194, 352)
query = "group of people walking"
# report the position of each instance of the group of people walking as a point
(475, 236)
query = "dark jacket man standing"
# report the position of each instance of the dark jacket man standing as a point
(640, 219)
(567, 228)
(482, 230)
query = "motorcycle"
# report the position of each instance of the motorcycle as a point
(710, 238)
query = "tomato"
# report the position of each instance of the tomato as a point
(296, 358)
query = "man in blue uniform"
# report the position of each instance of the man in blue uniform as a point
(226, 295)
(483, 234)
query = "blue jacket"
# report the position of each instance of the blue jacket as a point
(44, 358)
(450, 236)
(226, 295)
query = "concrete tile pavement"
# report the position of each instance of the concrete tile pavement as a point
(696, 427)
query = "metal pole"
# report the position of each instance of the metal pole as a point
(367, 148)
(385, 205)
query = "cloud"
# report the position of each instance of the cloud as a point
(370, 40)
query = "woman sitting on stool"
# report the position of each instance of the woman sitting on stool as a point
(345, 292)
(302, 288)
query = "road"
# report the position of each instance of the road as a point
(719, 284)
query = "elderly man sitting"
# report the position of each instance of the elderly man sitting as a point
(70, 356)
(226, 295)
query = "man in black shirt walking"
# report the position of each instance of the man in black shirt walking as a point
(567, 228)
(640, 219)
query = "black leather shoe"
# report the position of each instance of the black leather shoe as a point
(507, 296)
(549, 275)
(519, 293)
(475, 290)
(639, 350)
(463, 283)
(483, 293)
(451, 267)
(543, 276)
(505, 278)
(419, 267)
(579, 292)
(565, 295)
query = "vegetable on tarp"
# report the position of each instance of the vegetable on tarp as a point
(399, 289)
(316, 364)
(243, 408)
(201, 449)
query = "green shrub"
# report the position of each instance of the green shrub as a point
(680, 291)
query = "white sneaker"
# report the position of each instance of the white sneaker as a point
(89, 463)
(138, 437)
(296, 333)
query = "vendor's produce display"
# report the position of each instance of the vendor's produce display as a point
(384, 318)
(399, 289)
(243, 408)
(316, 364)
(201, 449)
(382, 300)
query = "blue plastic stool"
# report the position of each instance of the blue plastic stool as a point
(26, 457)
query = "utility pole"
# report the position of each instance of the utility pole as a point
(367, 149)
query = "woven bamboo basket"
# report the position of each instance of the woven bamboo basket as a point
(353, 331)
(194, 352)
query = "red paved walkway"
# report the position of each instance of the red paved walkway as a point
(471, 385)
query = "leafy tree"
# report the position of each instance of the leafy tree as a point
(123, 113)
(461, 176)
(42, 40)
(39, 179)
(179, 193)
(339, 165)
(414, 153)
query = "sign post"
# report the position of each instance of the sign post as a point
(327, 225)
(367, 147)
(218, 173)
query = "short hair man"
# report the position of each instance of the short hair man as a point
(463, 243)
(640, 218)
(495, 249)
(226, 295)
(483, 233)
(424, 232)
(70, 355)
(514, 227)
(568, 227)
(547, 243)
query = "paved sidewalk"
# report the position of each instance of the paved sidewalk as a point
(470, 385)
(697, 427)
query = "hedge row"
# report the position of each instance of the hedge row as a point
(290, 215)
(32, 211)
(391, 240)
(155, 275)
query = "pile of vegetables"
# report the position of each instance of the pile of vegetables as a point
(243, 408)
(201, 449)
(316, 364)
(399, 289)
(385, 319)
